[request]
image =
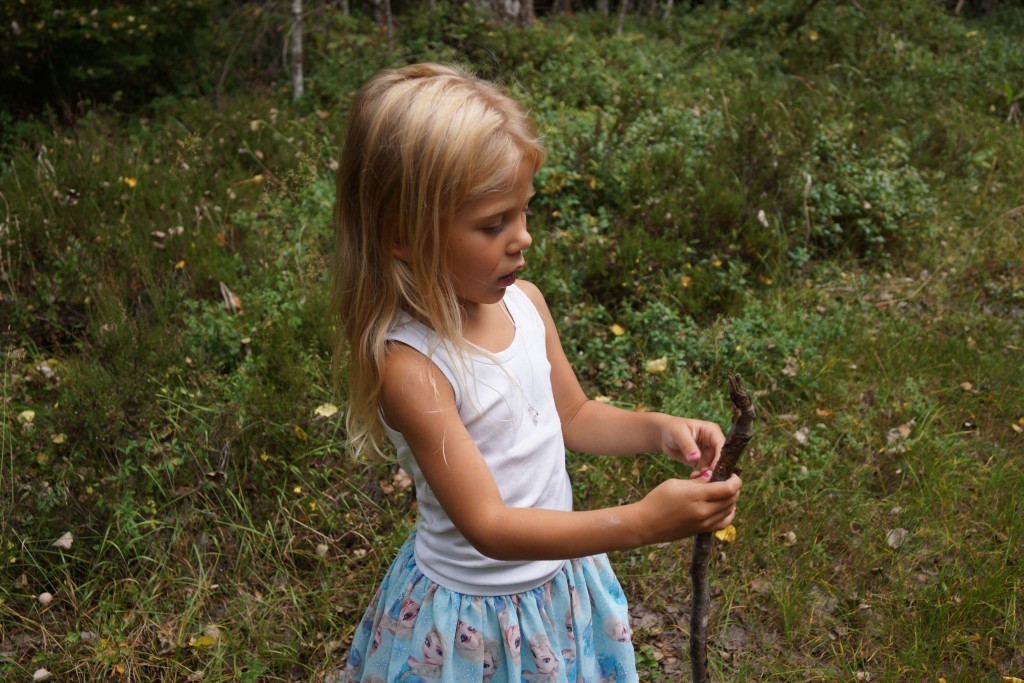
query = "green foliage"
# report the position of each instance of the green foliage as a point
(863, 205)
(58, 53)
(166, 370)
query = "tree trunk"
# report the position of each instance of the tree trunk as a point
(382, 15)
(519, 11)
(623, 6)
(562, 7)
(296, 40)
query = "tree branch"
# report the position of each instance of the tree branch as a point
(740, 433)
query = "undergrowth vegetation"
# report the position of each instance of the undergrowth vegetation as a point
(829, 204)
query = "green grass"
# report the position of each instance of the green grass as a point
(222, 531)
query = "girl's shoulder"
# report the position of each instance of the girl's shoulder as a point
(536, 297)
(532, 293)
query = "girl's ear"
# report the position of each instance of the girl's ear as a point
(400, 252)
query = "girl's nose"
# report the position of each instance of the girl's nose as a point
(521, 238)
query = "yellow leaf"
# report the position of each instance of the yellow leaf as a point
(26, 416)
(326, 410)
(300, 433)
(657, 365)
(179, 265)
(685, 281)
(58, 438)
(1012, 679)
(617, 329)
(203, 641)
(728, 534)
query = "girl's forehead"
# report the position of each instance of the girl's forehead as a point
(513, 196)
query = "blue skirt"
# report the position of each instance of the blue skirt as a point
(574, 628)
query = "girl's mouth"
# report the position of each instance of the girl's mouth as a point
(510, 279)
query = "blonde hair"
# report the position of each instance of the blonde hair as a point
(423, 142)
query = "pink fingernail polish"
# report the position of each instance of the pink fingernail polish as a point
(706, 474)
(695, 455)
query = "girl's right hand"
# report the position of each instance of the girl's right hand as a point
(679, 508)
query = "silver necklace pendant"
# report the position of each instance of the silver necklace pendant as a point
(534, 413)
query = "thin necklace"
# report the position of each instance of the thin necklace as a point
(530, 408)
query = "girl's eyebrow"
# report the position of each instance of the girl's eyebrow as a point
(505, 208)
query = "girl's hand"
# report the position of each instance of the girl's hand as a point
(679, 508)
(698, 443)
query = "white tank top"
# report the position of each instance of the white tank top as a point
(506, 402)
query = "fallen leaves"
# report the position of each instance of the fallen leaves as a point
(399, 482)
(726, 535)
(899, 433)
(211, 636)
(231, 300)
(895, 538)
(326, 410)
(656, 366)
(64, 542)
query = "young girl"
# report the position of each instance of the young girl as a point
(459, 365)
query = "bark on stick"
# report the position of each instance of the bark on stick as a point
(740, 433)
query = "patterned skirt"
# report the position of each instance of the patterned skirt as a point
(574, 628)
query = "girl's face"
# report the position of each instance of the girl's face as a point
(486, 242)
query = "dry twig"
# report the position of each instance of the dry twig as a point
(736, 440)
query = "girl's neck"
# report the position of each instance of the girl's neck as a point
(488, 326)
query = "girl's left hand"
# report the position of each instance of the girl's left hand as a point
(698, 443)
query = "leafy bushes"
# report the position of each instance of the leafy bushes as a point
(163, 291)
(58, 53)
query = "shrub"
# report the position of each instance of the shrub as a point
(58, 53)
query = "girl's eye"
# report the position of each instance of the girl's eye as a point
(493, 229)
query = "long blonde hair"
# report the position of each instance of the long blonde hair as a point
(423, 142)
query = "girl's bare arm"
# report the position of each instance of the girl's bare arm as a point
(593, 427)
(418, 401)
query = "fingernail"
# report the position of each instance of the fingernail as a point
(695, 455)
(706, 474)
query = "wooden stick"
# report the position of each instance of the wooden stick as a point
(740, 433)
